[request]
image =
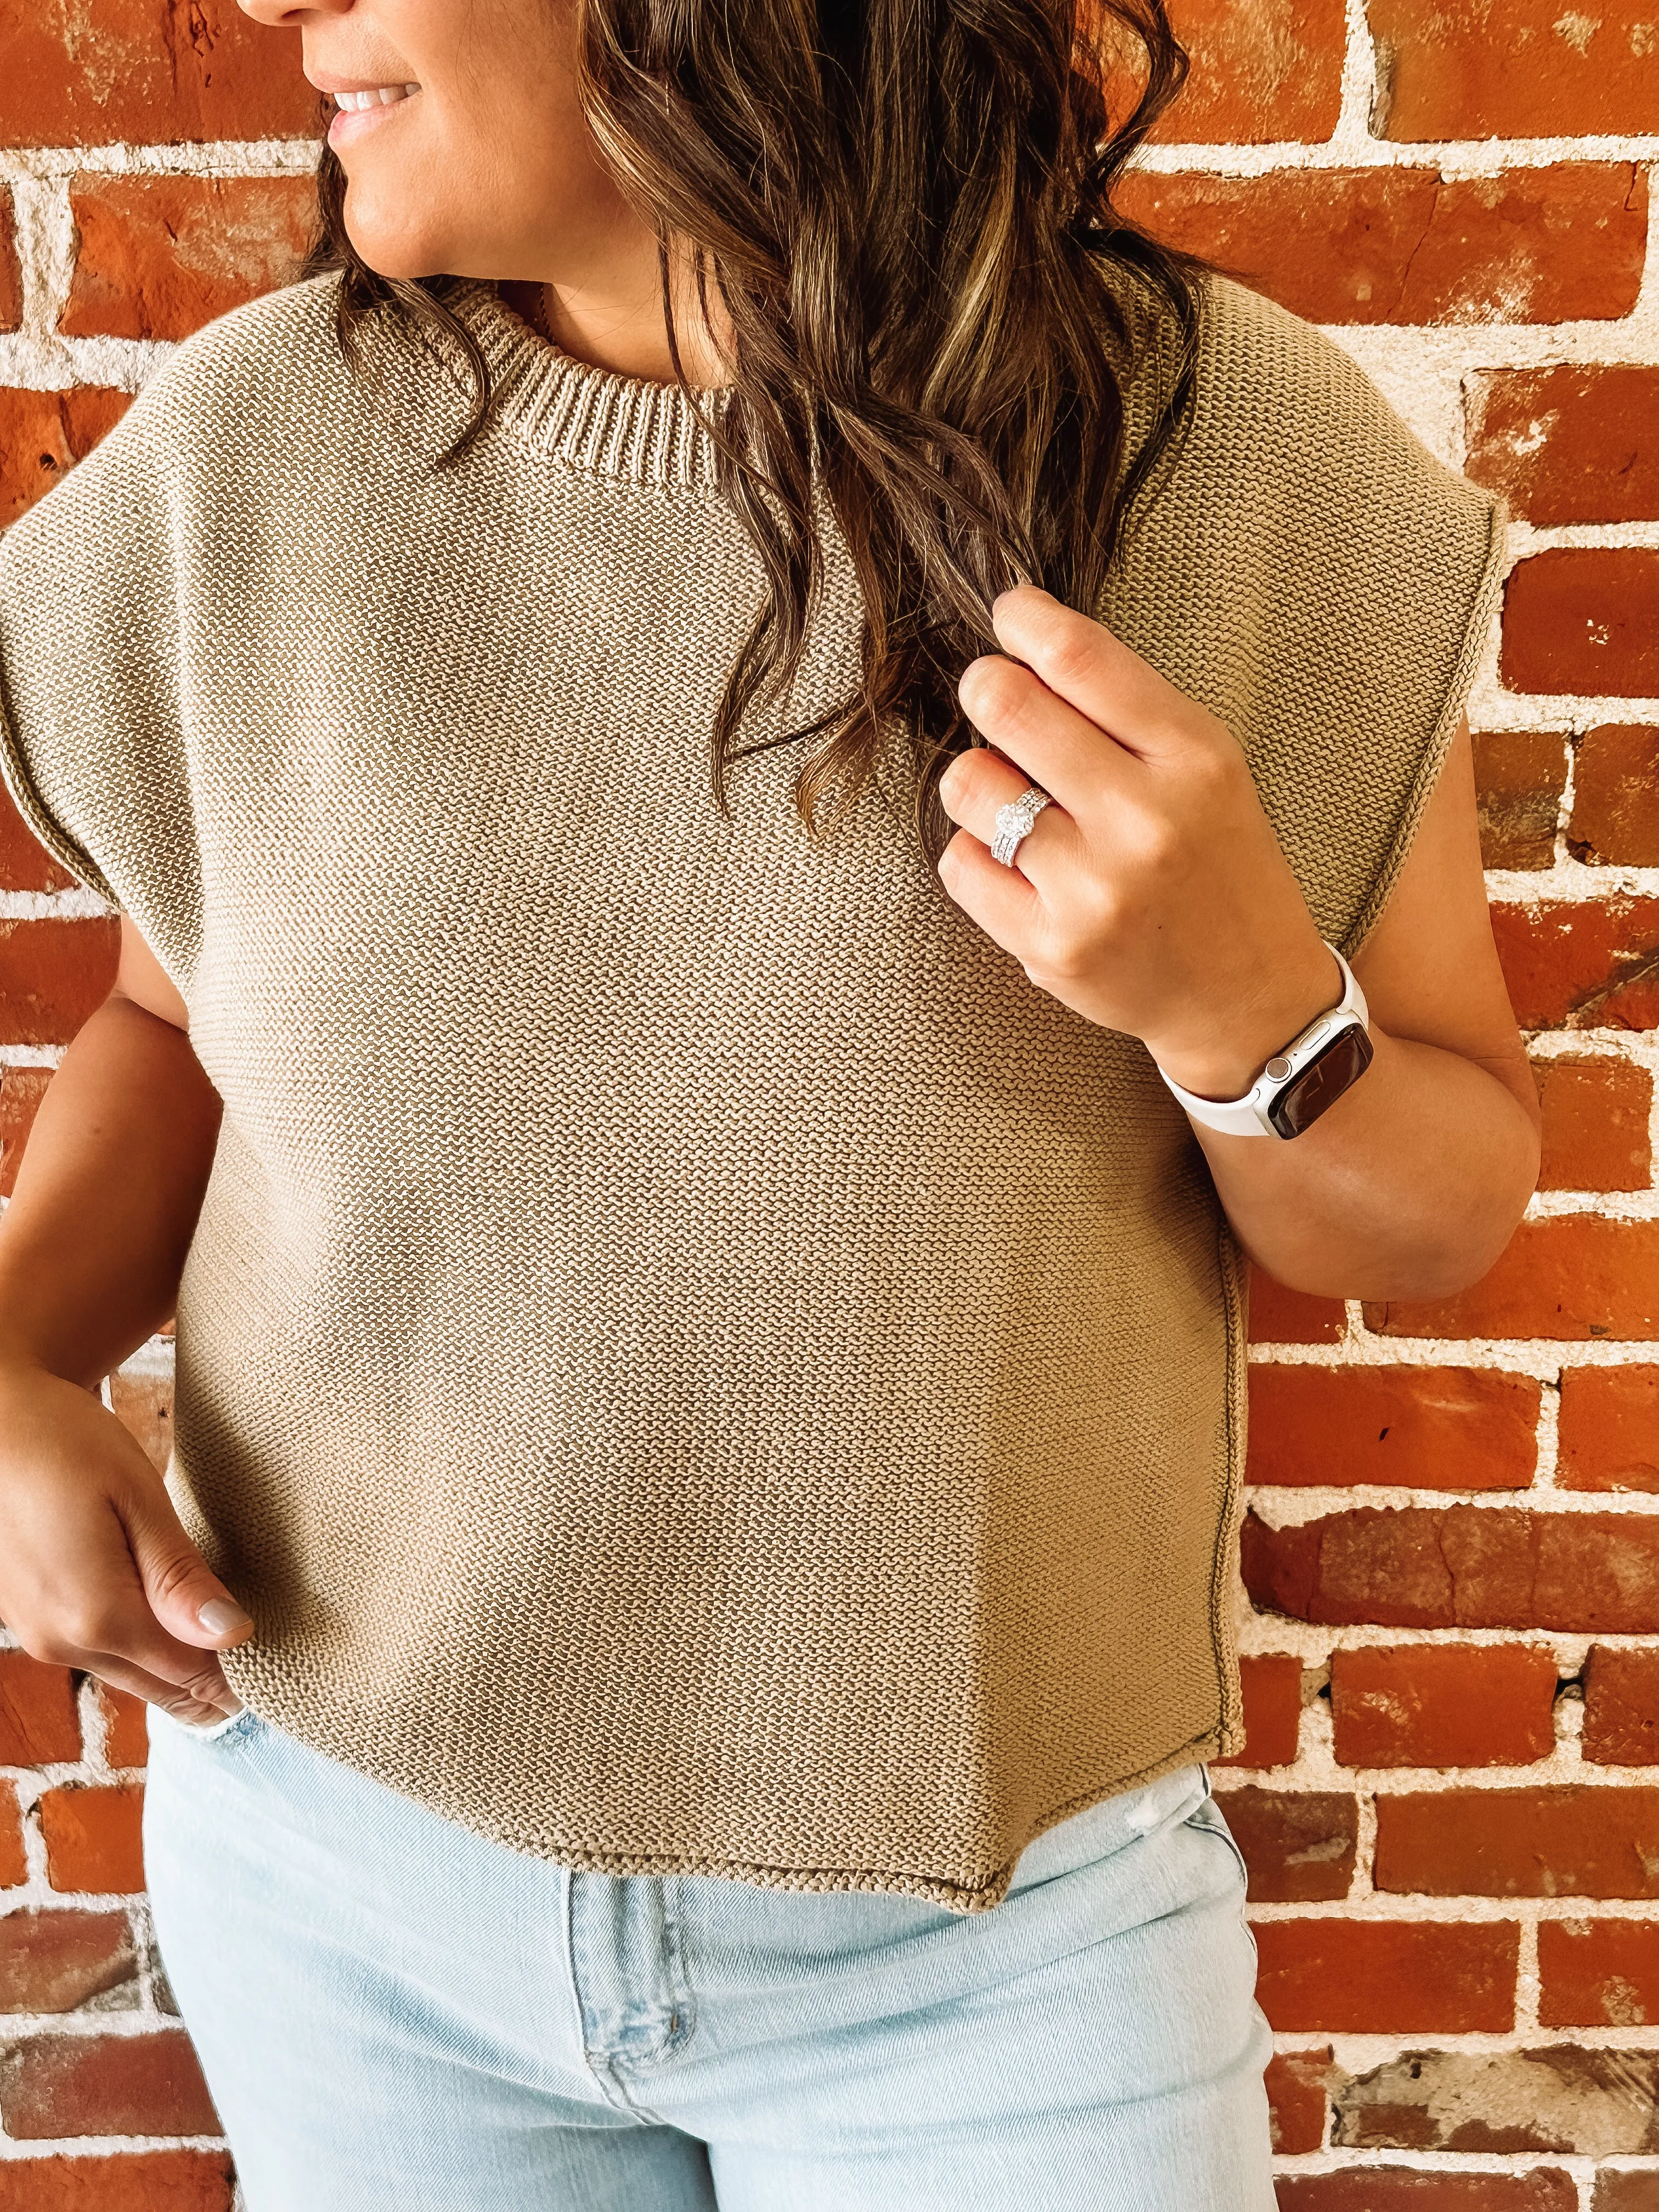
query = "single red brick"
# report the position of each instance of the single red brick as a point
(14, 1862)
(44, 433)
(160, 256)
(11, 276)
(22, 1089)
(1615, 800)
(38, 1722)
(1573, 1840)
(1580, 963)
(1299, 1845)
(1622, 1707)
(1443, 1704)
(126, 1726)
(52, 2086)
(1608, 1438)
(1406, 245)
(1299, 2098)
(127, 2181)
(1368, 2188)
(53, 976)
(1440, 1428)
(1583, 619)
(1574, 1277)
(1273, 1710)
(54, 1962)
(1460, 1566)
(1595, 1124)
(93, 1840)
(1520, 776)
(1467, 69)
(1387, 1977)
(1270, 70)
(1626, 2188)
(147, 70)
(1408, 2188)
(1282, 1316)
(1567, 444)
(144, 1404)
(1598, 1973)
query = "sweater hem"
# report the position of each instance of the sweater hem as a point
(963, 1897)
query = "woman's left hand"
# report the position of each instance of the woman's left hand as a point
(1152, 895)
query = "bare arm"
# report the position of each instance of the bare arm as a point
(94, 1241)
(95, 1571)
(1152, 896)
(1412, 1184)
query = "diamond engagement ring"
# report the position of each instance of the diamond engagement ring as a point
(1014, 823)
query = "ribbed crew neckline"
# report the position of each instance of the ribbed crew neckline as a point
(590, 418)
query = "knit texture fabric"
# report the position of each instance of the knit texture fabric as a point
(690, 1359)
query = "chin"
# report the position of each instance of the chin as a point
(384, 237)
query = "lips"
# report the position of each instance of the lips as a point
(361, 108)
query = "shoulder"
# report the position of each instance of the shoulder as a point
(1284, 422)
(249, 395)
(261, 367)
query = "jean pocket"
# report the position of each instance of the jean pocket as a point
(1207, 1819)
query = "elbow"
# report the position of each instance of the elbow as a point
(1461, 1244)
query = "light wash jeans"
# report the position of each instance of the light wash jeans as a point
(396, 2015)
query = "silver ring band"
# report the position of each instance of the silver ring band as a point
(1014, 824)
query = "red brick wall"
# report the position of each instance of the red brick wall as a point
(1450, 1796)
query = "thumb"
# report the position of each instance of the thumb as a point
(184, 1593)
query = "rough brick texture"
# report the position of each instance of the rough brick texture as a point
(1609, 1428)
(144, 71)
(1596, 1115)
(1404, 245)
(1520, 779)
(1615, 801)
(1422, 1427)
(1443, 1704)
(1598, 1973)
(1378, 1976)
(42, 435)
(1584, 619)
(129, 2181)
(1568, 444)
(1451, 1682)
(159, 256)
(1460, 1566)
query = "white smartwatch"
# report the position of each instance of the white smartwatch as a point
(1301, 1079)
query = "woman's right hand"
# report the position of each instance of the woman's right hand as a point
(96, 1571)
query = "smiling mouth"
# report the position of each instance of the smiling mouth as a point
(378, 95)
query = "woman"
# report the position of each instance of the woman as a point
(736, 751)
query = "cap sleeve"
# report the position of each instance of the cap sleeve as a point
(1309, 569)
(91, 732)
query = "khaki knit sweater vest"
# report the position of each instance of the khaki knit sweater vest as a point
(691, 1360)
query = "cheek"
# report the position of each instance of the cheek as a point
(473, 186)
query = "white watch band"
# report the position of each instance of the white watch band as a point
(1247, 1117)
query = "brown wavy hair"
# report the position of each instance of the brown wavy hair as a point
(905, 208)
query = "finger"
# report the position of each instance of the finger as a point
(978, 782)
(1081, 765)
(206, 1696)
(1082, 662)
(176, 1580)
(1002, 902)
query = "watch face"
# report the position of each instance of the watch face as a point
(1322, 1082)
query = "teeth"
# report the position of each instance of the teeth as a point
(380, 95)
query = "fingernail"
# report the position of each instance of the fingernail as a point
(221, 1614)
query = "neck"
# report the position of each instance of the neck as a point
(620, 325)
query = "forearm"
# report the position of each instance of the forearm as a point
(94, 1241)
(1409, 1187)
